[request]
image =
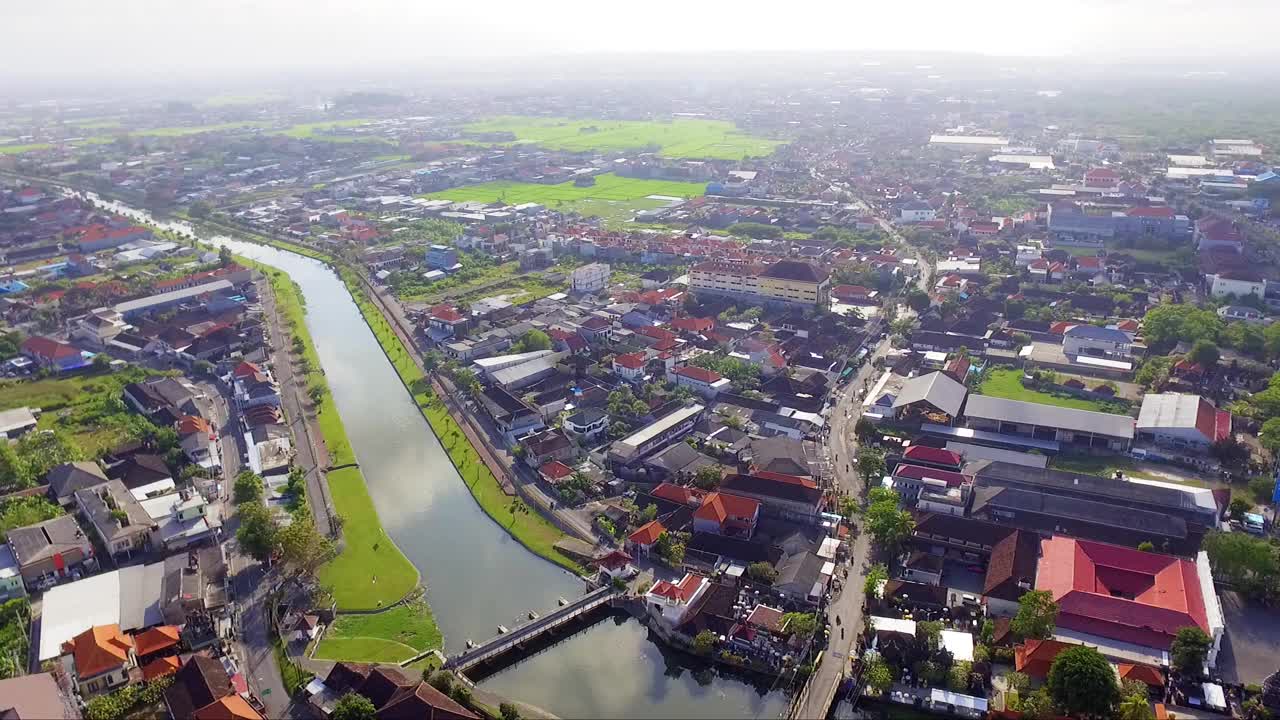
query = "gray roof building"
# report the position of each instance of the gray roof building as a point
(65, 479)
(985, 407)
(937, 389)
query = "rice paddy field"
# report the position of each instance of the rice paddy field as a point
(679, 138)
(612, 197)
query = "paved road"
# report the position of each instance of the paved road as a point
(253, 641)
(311, 456)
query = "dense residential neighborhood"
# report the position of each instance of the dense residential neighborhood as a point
(862, 408)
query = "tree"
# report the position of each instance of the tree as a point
(1037, 615)
(1135, 707)
(302, 548)
(531, 341)
(1017, 682)
(22, 511)
(1230, 453)
(1038, 705)
(1204, 353)
(762, 572)
(877, 675)
(708, 477)
(1082, 682)
(1254, 709)
(958, 677)
(1270, 434)
(669, 549)
(646, 515)
(800, 624)
(929, 635)
(1166, 325)
(257, 533)
(1238, 507)
(224, 256)
(1190, 650)
(705, 642)
(353, 706)
(875, 577)
(888, 524)
(918, 300)
(870, 464)
(247, 487)
(1242, 560)
(864, 429)
(508, 711)
(1147, 546)
(441, 680)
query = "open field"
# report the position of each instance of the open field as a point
(180, 130)
(1007, 383)
(681, 138)
(611, 197)
(315, 131)
(19, 149)
(1139, 254)
(86, 406)
(390, 636)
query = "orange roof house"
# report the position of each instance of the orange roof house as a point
(156, 639)
(100, 649)
(161, 667)
(647, 534)
(1034, 657)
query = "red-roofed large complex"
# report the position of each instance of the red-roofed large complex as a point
(724, 514)
(670, 602)
(1127, 600)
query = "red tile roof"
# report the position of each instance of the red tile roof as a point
(680, 592)
(99, 649)
(1218, 229)
(1142, 673)
(1121, 593)
(615, 560)
(161, 667)
(231, 707)
(850, 292)
(1034, 657)
(191, 424)
(246, 369)
(1151, 212)
(647, 534)
(156, 639)
(786, 479)
(48, 348)
(693, 324)
(1213, 423)
(722, 507)
(555, 470)
(630, 361)
(677, 493)
(919, 472)
(937, 456)
(446, 314)
(698, 374)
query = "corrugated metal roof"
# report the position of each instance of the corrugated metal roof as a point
(986, 407)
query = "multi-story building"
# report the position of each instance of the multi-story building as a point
(441, 257)
(590, 278)
(785, 282)
(1097, 342)
(1239, 283)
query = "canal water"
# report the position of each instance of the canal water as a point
(477, 577)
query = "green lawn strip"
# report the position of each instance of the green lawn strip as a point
(1108, 465)
(529, 528)
(314, 131)
(363, 649)
(19, 149)
(1007, 383)
(370, 572)
(679, 138)
(394, 635)
(612, 196)
(180, 130)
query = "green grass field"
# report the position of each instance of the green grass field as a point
(85, 406)
(611, 197)
(681, 138)
(180, 130)
(1007, 383)
(391, 636)
(315, 131)
(19, 149)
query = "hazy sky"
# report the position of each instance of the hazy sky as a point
(163, 38)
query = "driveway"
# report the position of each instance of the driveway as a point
(1248, 653)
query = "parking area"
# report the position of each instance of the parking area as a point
(962, 579)
(1248, 653)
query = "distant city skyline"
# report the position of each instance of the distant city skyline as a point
(159, 39)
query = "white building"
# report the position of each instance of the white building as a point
(707, 383)
(1094, 340)
(590, 278)
(1182, 421)
(671, 602)
(1239, 284)
(917, 211)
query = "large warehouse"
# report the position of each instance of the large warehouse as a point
(1081, 428)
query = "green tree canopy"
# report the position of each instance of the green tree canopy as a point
(1082, 682)
(532, 341)
(1190, 650)
(1037, 615)
(257, 532)
(248, 487)
(353, 706)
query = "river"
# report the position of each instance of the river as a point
(476, 575)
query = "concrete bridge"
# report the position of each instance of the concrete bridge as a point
(462, 661)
